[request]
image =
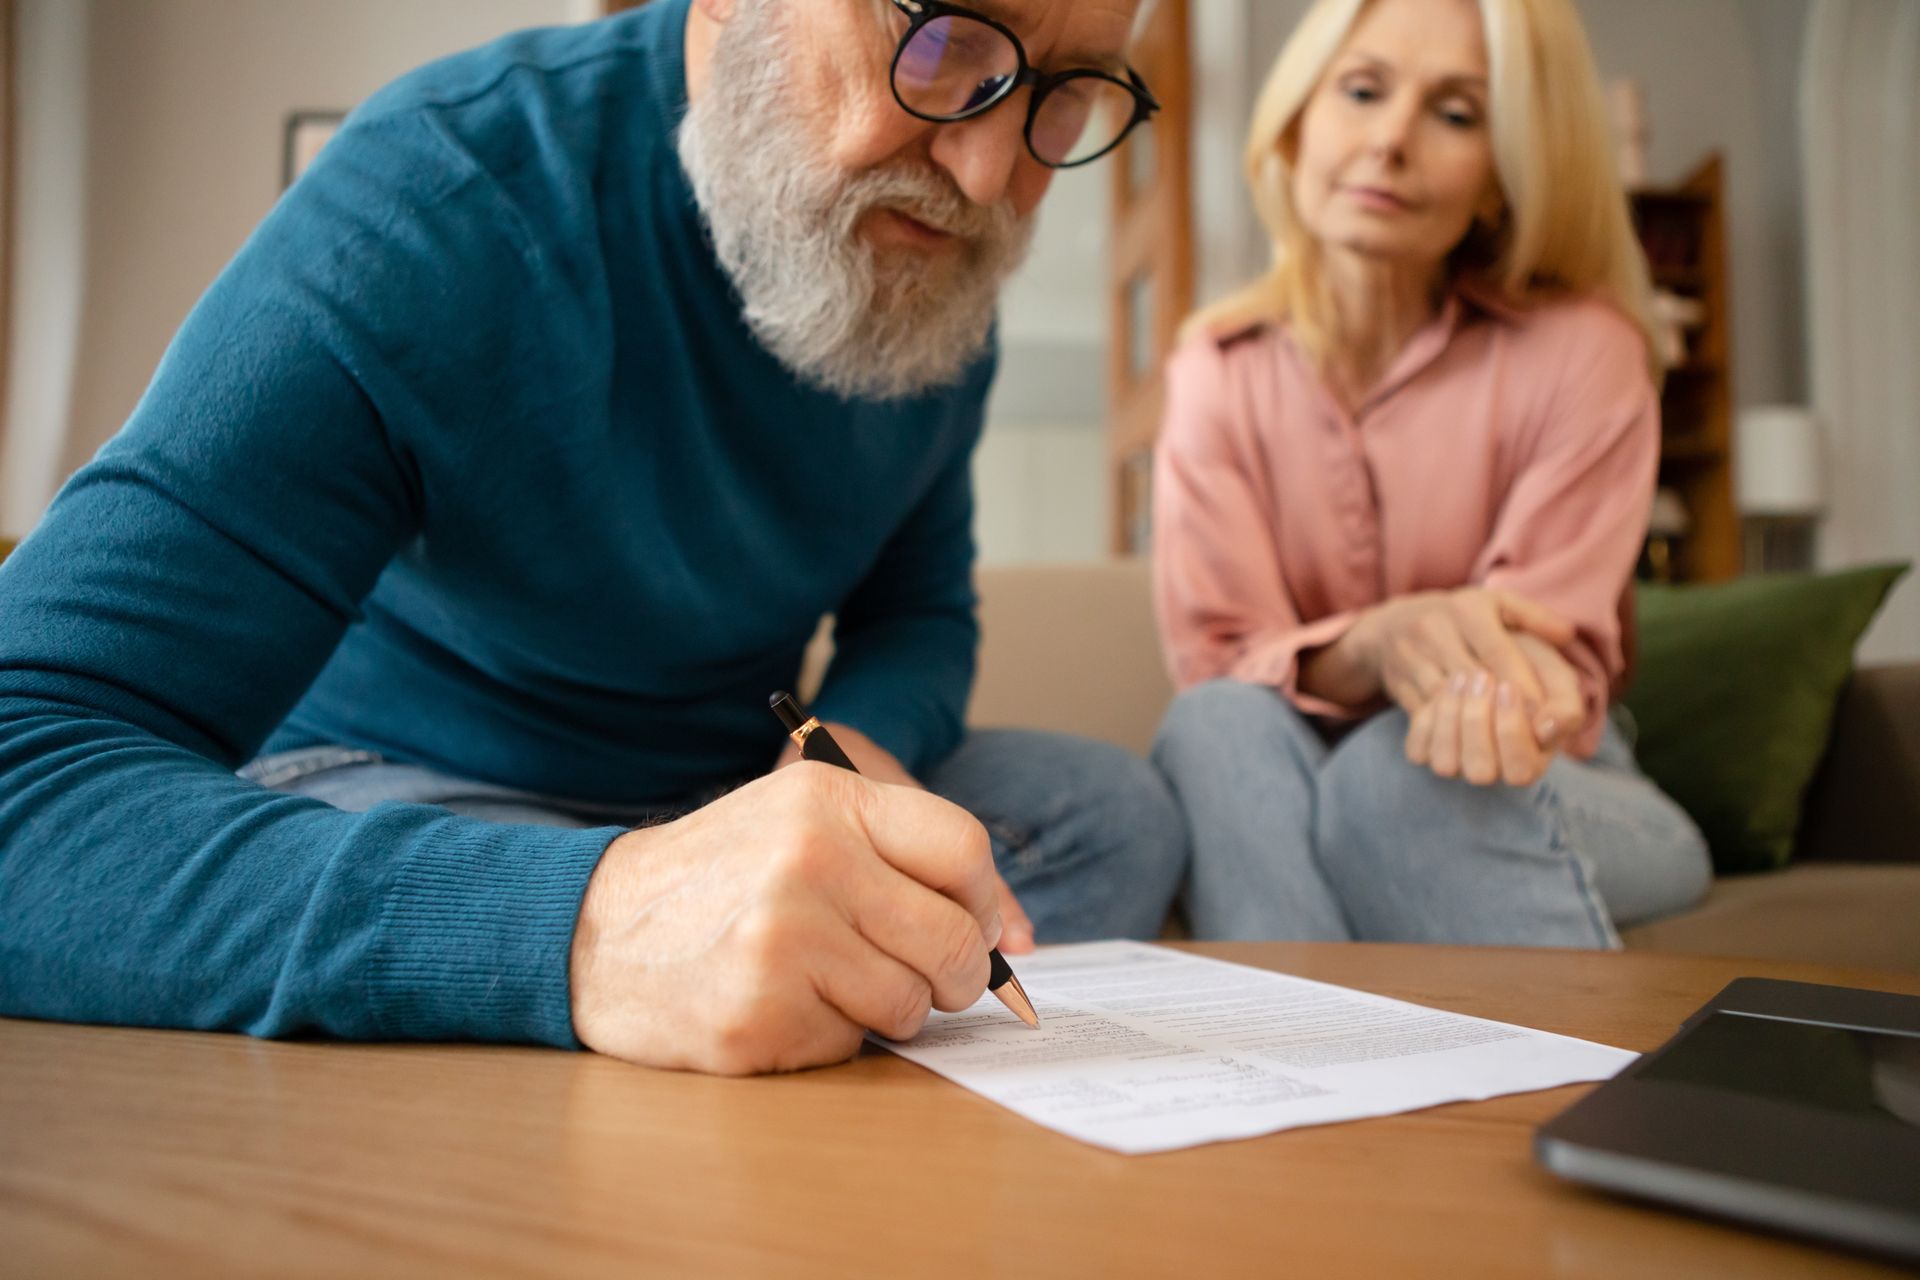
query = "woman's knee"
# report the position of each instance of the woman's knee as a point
(1372, 795)
(1651, 860)
(1221, 721)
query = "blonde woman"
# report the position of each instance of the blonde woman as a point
(1400, 490)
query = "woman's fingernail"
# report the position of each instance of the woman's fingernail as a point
(1459, 682)
(1480, 684)
(1505, 696)
(995, 932)
(1547, 727)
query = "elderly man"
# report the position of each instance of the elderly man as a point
(486, 496)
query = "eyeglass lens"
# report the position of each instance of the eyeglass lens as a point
(954, 66)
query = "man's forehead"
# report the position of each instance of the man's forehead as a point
(1082, 32)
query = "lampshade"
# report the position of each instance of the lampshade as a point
(1668, 518)
(1780, 462)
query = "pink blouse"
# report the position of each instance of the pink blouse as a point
(1509, 449)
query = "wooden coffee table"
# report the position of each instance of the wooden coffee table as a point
(167, 1153)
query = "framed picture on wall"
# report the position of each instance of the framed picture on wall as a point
(306, 133)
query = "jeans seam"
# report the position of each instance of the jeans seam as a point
(1550, 800)
(1019, 842)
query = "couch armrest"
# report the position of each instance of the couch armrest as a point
(1864, 802)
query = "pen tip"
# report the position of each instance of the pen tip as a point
(1014, 996)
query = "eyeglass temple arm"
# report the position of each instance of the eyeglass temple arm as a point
(1140, 87)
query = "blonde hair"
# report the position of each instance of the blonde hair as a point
(1566, 228)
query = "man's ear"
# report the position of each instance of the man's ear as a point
(716, 10)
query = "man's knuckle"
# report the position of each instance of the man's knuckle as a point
(763, 938)
(805, 858)
(819, 787)
(742, 1034)
(909, 1011)
(961, 949)
(976, 848)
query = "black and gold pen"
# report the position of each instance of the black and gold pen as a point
(816, 743)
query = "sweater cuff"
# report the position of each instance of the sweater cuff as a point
(475, 941)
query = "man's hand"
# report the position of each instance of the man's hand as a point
(876, 762)
(869, 757)
(771, 929)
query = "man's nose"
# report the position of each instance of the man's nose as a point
(983, 154)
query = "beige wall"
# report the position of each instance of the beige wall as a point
(163, 137)
(49, 215)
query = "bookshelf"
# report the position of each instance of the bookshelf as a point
(1683, 230)
(1150, 274)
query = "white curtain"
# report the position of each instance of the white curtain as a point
(1860, 138)
(49, 253)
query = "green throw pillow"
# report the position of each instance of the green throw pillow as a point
(1735, 698)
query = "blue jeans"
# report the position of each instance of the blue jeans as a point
(1087, 835)
(1292, 838)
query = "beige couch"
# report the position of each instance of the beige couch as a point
(1074, 648)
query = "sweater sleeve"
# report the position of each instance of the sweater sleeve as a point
(1572, 522)
(1219, 592)
(183, 591)
(905, 638)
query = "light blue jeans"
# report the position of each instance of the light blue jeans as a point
(1294, 839)
(1087, 835)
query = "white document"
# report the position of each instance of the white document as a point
(1142, 1048)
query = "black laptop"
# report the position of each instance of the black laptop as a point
(1786, 1105)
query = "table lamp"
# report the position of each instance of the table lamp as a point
(1780, 483)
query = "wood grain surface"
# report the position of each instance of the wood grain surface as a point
(134, 1152)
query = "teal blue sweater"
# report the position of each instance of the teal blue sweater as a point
(469, 459)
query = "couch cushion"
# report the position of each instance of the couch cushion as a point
(1864, 804)
(1736, 694)
(1827, 913)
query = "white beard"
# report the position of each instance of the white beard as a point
(839, 315)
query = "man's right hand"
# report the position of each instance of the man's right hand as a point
(769, 930)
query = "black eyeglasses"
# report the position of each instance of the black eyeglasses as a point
(954, 64)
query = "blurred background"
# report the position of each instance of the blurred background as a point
(1774, 145)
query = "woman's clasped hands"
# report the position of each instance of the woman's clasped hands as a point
(1488, 692)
